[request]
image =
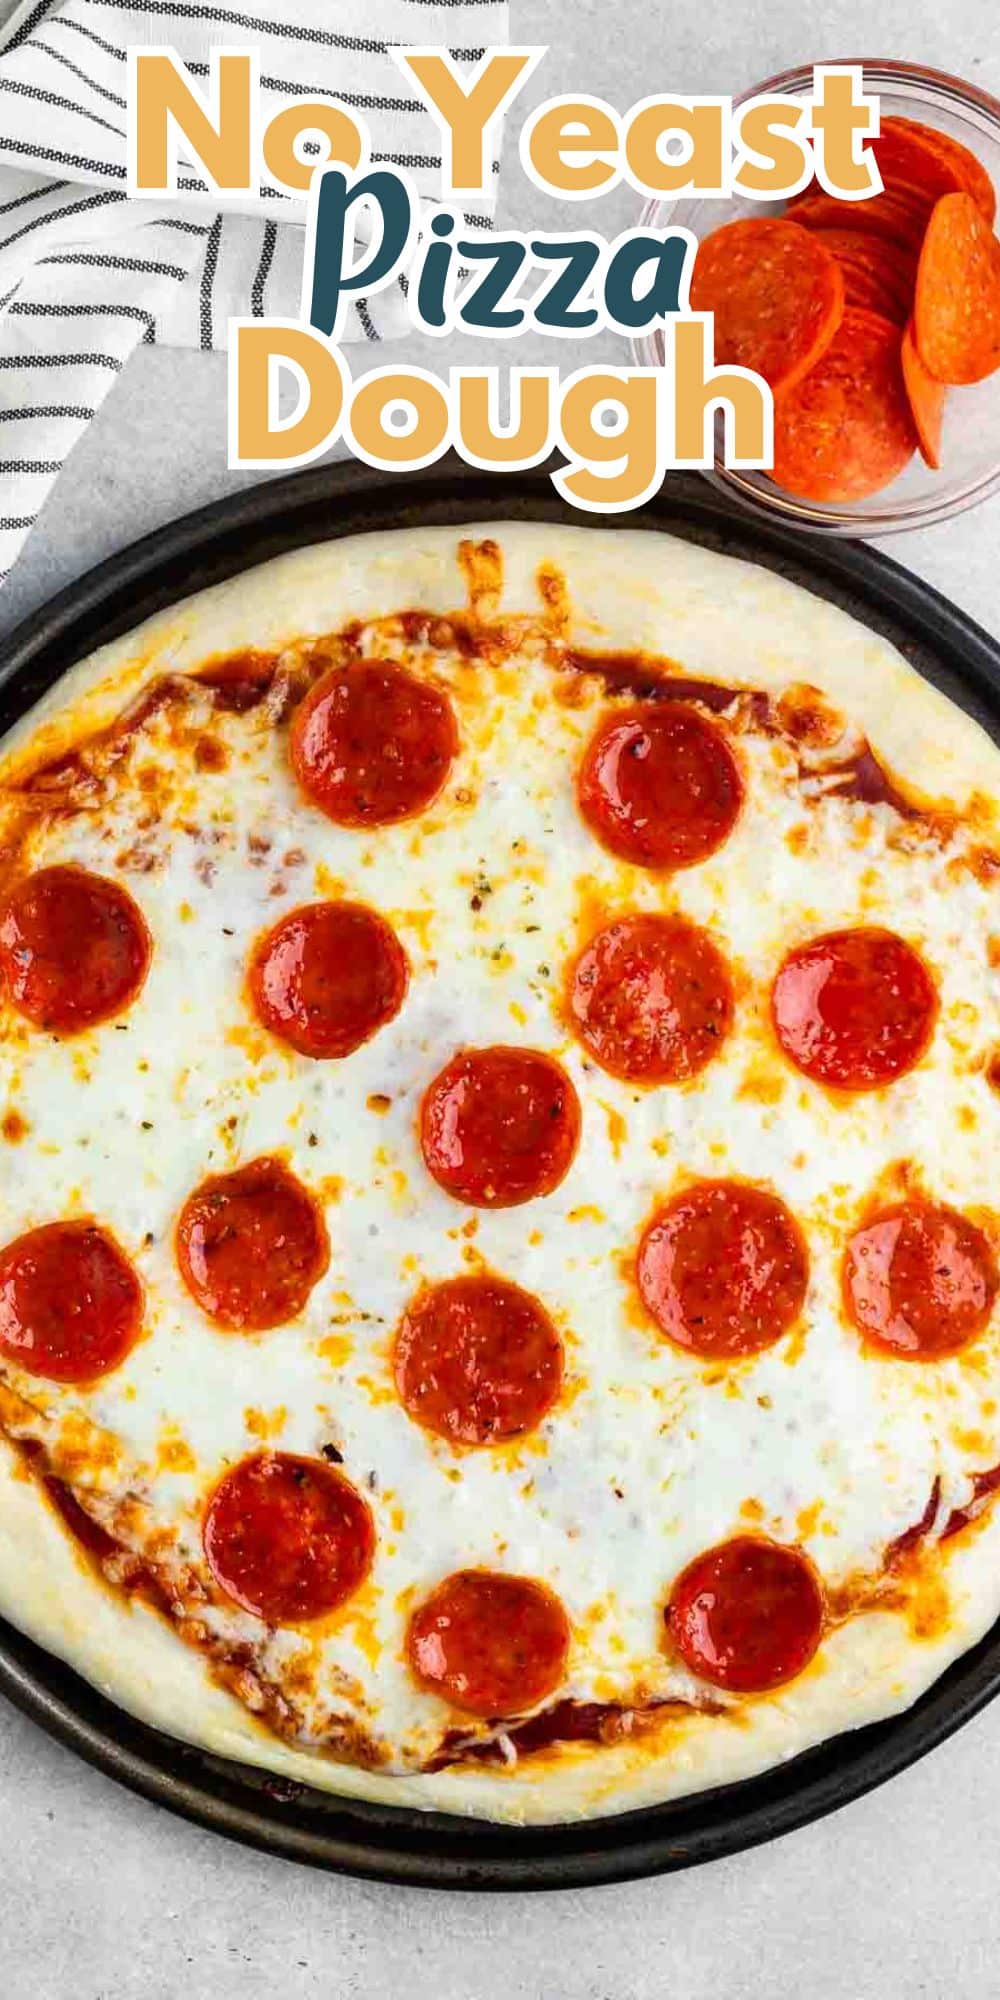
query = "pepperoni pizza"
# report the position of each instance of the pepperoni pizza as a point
(498, 1220)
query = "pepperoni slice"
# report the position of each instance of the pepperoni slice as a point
(926, 398)
(956, 306)
(723, 1269)
(74, 949)
(747, 1615)
(70, 1302)
(854, 1009)
(846, 430)
(499, 1126)
(776, 293)
(920, 1280)
(908, 153)
(491, 1644)
(898, 215)
(971, 173)
(651, 999)
(477, 1360)
(251, 1246)
(372, 744)
(288, 1538)
(659, 785)
(327, 977)
(879, 275)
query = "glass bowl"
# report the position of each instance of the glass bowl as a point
(970, 452)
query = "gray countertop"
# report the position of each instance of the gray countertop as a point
(103, 1897)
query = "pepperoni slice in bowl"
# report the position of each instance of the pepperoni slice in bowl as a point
(919, 1280)
(500, 1126)
(879, 274)
(956, 304)
(327, 977)
(854, 1009)
(926, 398)
(251, 1245)
(491, 1644)
(288, 1538)
(74, 949)
(776, 294)
(477, 1360)
(651, 999)
(70, 1302)
(910, 153)
(747, 1615)
(897, 216)
(372, 744)
(659, 785)
(723, 1269)
(846, 430)
(968, 170)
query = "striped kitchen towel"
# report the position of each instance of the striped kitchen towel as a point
(85, 274)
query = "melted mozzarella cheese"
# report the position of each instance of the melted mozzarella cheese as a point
(650, 1455)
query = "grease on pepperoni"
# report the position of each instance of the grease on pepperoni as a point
(74, 949)
(491, 1644)
(327, 977)
(477, 1360)
(659, 785)
(500, 1126)
(747, 1615)
(251, 1245)
(372, 744)
(854, 1009)
(288, 1538)
(723, 1269)
(651, 998)
(70, 1302)
(919, 1280)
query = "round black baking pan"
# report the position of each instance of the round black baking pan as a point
(393, 1843)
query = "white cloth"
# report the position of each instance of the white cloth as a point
(86, 274)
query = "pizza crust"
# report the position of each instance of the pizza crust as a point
(720, 619)
(869, 1669)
